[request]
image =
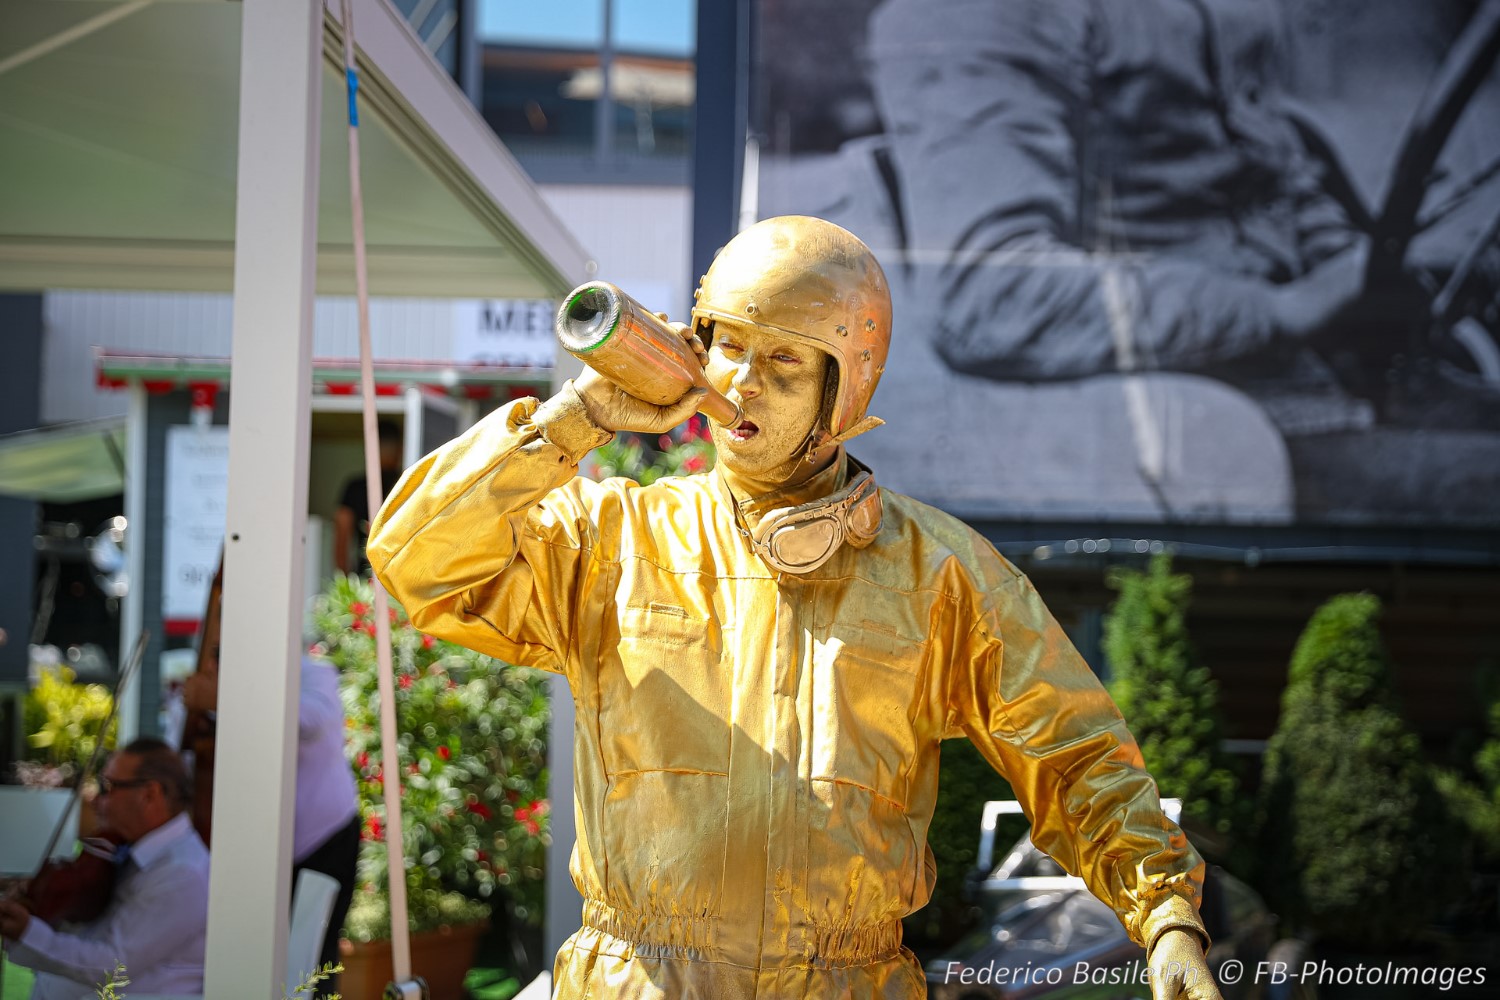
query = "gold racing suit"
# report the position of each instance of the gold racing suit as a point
(756, 757)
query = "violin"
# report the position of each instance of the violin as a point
(79, 890)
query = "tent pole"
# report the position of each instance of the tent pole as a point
(281, 45)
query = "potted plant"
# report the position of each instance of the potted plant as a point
(472, 751)
(63, 721)
(1357, 850)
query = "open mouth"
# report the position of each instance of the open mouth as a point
(743, 431)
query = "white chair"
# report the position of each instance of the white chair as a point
(312, 905)
(539, 989)
(27, 818)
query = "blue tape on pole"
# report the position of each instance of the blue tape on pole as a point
(353, 93)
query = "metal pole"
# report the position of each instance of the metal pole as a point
(276, 219)
(604, 110)
(720, 114)
(133, 607)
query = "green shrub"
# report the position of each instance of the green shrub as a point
(965, 783)
(1170, 703)
(472, 739)
(682, 451)
(1475, 800)
(1355, 845)
(62, 722)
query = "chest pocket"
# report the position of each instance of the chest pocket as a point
(867, 698)
(664, 694)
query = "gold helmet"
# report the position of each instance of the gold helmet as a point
(816, 283)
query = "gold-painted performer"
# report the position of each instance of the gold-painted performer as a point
(766, 658)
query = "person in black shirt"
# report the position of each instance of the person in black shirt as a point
(351, 522)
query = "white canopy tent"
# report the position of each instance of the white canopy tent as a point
(133, 135)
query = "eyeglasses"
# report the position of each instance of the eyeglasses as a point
(108, 785)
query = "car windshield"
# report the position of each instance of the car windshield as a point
(1063, 924)
(1025, 860)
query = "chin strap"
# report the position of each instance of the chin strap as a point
(818, 438)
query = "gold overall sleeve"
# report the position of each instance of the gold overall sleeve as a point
(485, 540)
(1036, 711)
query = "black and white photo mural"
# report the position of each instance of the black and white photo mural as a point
(1230, 261)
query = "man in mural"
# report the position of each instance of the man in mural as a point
(765, 659)
(1122, 188)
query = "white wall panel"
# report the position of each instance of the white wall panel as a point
(640, 237)
(199, 326)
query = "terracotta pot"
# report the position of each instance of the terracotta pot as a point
(442, 957)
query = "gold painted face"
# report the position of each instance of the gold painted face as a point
(778, 383)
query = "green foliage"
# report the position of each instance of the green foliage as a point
(111, 990)
(472, 752)
(306, 987)
(1476, 801)
(1354, 840)
(1170, 703)
(62, 722)
(966, 783)
(683, 451)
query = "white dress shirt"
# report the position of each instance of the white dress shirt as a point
(326, 797)
(155, 925)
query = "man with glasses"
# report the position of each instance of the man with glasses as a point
(156, 922)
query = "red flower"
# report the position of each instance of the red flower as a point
(392, 613)
(530, 813)
(357, 626)
(377, 831)
(481, 857)
(428, 642)
(359, 609)
(481, 810)
(363, 759)
(414, 768)
(445, 753)
(405, 681)
(694, 463)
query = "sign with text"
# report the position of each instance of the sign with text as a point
(511, 333)
(196, 504)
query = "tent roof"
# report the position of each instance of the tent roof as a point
(118, 134)
(66, 462)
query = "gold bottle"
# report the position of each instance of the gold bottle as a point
(635, 349)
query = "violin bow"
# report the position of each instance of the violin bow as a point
(131, 666)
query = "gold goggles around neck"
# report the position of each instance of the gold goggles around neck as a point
(802, 538)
